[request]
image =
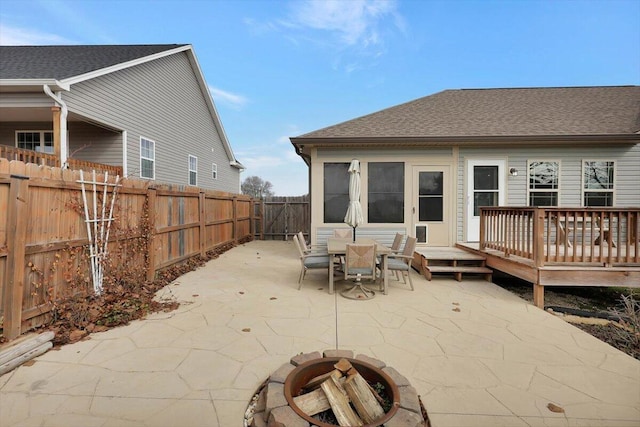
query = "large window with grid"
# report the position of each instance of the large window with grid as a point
(385, 195)
(193, 170)
(336, 192)
(598, 178)
(544, 183)
(36, 140)
(147, 158)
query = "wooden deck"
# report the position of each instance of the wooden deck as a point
(548, 246)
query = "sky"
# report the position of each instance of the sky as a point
(279, 69)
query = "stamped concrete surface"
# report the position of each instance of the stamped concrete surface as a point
(476, 354)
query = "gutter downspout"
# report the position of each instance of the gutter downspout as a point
(63, 125)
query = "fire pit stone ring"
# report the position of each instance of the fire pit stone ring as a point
(272, 406)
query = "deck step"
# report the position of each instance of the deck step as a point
(451, 260)
(458, 270)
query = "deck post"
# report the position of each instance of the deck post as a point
(538, 295)
(483, 232)
(538, 237)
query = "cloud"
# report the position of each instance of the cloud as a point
(228, 99)
(14, 36)
(355, 22)
(354, 32)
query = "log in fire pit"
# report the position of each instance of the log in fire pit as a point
(336, 389)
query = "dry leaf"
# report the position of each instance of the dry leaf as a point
(455, 303)
(457, 310)
(272, 298)
(195, 295)
(555, 408)
(241, 292)
(246, 330)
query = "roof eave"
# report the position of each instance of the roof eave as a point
(212, 109)
(32, 85)
(462, 140)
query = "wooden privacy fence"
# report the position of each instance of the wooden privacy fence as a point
(285, 216)
(43, 237)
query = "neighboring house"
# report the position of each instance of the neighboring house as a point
(144, 109)
(429, 164)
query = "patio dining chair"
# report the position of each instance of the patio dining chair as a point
(401, 262)
(395, 248)
(310, 261)
(343, 233)
(360, 264)
(316, 249)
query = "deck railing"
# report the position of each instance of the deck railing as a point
(45, 159)
(550, 235)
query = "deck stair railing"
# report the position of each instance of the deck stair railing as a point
(557, 235)
(29, 156)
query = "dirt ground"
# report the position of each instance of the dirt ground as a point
(592, 309)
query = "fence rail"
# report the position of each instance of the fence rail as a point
(43, 234)
(45, 159)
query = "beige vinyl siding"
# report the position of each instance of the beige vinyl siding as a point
(160, 100)
(96, 144)
(627, 177)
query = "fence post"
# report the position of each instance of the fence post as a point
(151, 217)
(203, 224)
(235, 219)
(16, 242)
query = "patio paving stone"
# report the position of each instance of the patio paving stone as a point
(476, 354)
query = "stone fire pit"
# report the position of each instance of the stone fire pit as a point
(273, 403)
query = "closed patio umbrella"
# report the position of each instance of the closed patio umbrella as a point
(354, 211)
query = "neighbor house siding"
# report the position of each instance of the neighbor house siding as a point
(96, 144)
(160, 100)
(626, 157)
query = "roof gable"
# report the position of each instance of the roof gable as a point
(63, 62)
(598, 110)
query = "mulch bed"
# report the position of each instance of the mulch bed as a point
(613, 335)
(597, 300)
(74, 318)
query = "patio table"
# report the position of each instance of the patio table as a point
(337, 246)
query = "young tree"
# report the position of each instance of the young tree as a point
(255, 187)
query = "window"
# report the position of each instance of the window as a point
(147, 158)
(544, 180)
(385, 192)
(214, 170)
(193, 170)
(598, 180)
(336, 191)
(430, 197)
(39, 140)
(486, 190)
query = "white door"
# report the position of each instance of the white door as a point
(431, 211)
(486, 185)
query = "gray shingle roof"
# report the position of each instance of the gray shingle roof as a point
(61, 62)
(598, 110)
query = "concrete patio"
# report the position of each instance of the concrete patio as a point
(477, 354)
